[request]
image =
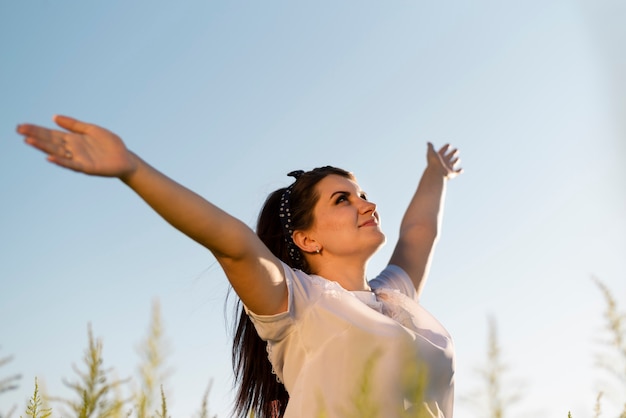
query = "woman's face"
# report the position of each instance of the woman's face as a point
(344, 221)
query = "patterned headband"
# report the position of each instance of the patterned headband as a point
(284, 212)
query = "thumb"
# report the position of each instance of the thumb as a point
(431, 149)
(71, 124)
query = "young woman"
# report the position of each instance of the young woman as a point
(315, 337)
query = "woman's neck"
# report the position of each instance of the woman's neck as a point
(350, 275)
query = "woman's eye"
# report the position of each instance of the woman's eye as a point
(364, 196)
(341, 198)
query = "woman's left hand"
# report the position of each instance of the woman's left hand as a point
(445, 160)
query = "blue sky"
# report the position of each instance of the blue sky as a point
(228, 97)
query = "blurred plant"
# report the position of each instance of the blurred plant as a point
(35, 408)
(10, 413)
(100, 396)
(204, 408)
(152, 352)
(97, 395)
(495, 398)
(363, 405)
(597, 410)
(613, 357)
(163, 412)
(415, 382)
(7, 384)
(362, 401)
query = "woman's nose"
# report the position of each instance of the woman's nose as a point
(368, 206)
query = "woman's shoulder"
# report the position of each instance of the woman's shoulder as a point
(303, 292)
(394, 277)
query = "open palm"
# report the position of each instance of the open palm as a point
(446, 159)
(82, 147)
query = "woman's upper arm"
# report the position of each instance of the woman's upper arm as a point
(258, 278)
(254, 272)
(413, 253)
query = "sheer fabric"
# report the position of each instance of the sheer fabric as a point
(342, 353)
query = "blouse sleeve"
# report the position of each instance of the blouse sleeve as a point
(276, 327)
(394, 277)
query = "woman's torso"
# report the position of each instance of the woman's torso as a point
(360, 354)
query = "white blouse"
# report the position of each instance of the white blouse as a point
(361, 354)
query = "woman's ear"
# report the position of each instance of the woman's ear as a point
(305, 242)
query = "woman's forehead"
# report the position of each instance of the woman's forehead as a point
(334, 183)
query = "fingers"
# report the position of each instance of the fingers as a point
(65, 161)
(443, 150)
(71, 124)
(452, 158)
(448, 158)
(449, 154)
(41, 138)
(27, 129)
(50, 141)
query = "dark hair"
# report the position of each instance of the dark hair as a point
(258, 388)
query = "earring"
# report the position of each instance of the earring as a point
(317, 250)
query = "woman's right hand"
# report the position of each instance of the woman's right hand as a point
(83, 147)
(256, 274)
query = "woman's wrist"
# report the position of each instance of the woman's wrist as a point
(134, 163)
(437, 170)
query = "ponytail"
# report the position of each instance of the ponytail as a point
(258, 389)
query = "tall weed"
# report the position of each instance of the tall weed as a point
(495, 396)
(152, 352)
(7, 384)
(36, 408)
(96, 393)
(612, 356)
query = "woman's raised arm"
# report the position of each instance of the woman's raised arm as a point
(421, 223)
(255, 273)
